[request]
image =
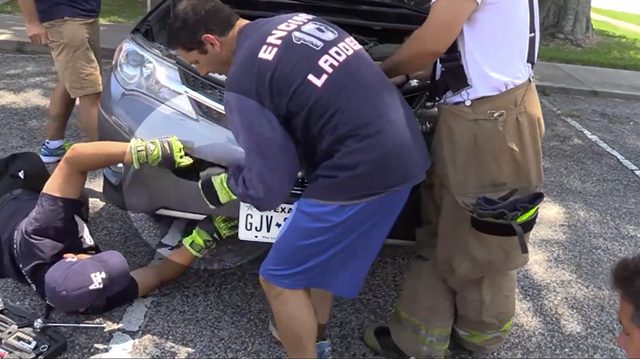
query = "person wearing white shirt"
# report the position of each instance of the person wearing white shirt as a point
(487, 143)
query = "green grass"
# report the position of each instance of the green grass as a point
(113, 11)
(616, 48)
(123, 11)
(615, 30)
(619, 15)
(10, 8)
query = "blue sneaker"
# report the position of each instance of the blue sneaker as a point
(323, 348)
(52, 155)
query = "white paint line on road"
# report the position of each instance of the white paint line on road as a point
(121, 344)
(134, 316)
(625, 162)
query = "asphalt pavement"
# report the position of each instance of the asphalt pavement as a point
(565, 307)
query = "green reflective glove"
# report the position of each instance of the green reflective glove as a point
(165, 152)
(225, 227)
(215, 190)
(200, 241)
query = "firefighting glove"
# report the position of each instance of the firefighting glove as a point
(507, 216)
(199, 242)
(165, 152)
(208, 232)
(215, 190)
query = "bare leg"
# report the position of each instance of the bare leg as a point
(295, 319)
(68, 179)
(60, 107)
(322, 301)
(151, 277)
(88, 116)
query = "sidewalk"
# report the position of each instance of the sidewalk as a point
(551, 77)
(585, 80)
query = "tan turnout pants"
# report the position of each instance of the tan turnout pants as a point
(463, 282)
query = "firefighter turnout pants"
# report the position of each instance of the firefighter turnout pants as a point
(462, 283)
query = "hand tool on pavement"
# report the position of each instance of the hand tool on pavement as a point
(19, 337)
(39, 324)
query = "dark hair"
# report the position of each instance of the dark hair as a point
(190, 19)
(626, 280)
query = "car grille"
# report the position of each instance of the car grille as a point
(208, 89)
(299, 188)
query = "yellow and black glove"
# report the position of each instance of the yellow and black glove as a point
(166, 152)
(215, 190)
(205, 236)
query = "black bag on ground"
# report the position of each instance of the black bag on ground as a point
(25, 171)
(22, 171)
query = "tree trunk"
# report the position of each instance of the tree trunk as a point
(566, 19)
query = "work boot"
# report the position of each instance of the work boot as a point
(379, 340)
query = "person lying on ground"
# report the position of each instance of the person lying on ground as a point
(45, 242)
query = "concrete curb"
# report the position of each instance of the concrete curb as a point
(547, 88)
(31, 48)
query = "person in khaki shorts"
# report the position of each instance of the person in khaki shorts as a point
(487, 143)
(71, 29)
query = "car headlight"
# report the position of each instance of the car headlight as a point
(138, 70)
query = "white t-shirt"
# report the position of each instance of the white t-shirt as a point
(494, 45)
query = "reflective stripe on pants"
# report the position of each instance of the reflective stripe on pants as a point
(430, 337)
(483, 339)
(459, 276)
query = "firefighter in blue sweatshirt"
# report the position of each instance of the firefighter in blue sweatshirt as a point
(303, 95)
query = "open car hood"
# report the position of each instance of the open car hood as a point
(376, 16)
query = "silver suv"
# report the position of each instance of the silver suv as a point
(150, 92)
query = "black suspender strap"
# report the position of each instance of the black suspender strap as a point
(531, 57)
(452, 73)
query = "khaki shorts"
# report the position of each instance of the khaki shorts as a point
(75, 47)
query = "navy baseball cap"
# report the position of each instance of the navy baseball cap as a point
(75, 284)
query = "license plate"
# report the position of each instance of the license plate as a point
(256, 226)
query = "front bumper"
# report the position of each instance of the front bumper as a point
(124, 115)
